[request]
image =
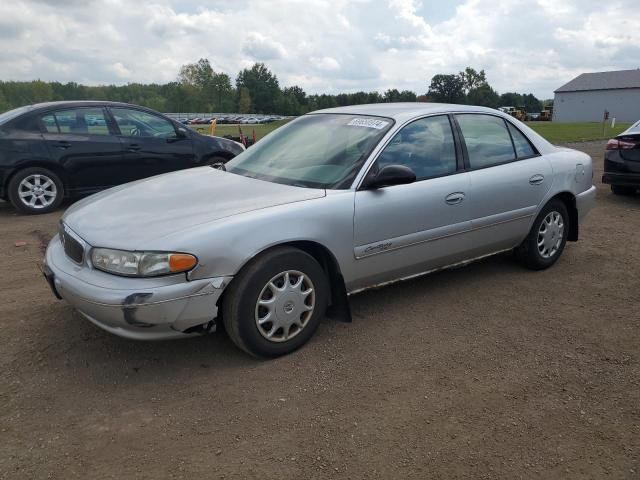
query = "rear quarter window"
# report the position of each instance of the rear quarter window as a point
(523, 146)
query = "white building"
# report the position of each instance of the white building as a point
(586, 97)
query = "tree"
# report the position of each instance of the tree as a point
(510, 99)
(484, 96)
(4, 104)
(471, 79)
(199, 88)
(262, 86)
(446, 89)
(287, 104)
(407, 96)
(531, 103)
(213, 89)
(298, 93)
(391, 95)
(221, 85)
(198, 74)
(244, 100)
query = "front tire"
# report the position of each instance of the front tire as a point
(211, 161)
(276, 303)
(547, 238)
(35, 190)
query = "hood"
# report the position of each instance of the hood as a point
(127, 216)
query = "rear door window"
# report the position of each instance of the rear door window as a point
(79, 121)
(487, 139)
(49, 123)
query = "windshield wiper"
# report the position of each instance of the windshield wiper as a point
(219, 166)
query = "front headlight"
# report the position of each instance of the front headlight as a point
(141, 264)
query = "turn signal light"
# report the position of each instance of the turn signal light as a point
(180, 262)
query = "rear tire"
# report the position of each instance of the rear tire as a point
(35, 190)
(547, 238)
(623, 190)
(266, 316)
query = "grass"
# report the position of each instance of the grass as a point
(553, 131)
(260, 129)
(576, 132)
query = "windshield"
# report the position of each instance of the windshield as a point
(316, 151)
(11, 114)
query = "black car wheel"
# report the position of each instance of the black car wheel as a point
(35, 190)
(276, 303)
(215, 160)
(547, 238)
(623, 190)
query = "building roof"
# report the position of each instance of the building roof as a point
(617, 80)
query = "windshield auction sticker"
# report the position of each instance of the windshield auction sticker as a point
(368, 123)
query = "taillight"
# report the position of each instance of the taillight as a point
(615, 144)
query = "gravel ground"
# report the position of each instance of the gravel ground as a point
(488, 371)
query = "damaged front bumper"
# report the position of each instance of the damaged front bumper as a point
(138, 308)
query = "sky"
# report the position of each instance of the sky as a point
(323, 46)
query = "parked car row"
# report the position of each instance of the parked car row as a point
(232, 119)
(54, 150)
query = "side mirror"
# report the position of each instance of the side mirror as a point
(390, 175)
(180, 134)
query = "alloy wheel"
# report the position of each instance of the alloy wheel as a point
(37, 191)
(550, 234)
(285, 306)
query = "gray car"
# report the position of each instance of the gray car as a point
(332, 203)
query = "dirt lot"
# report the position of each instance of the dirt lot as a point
(489, 371)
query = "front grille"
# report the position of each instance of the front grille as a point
(72, 247)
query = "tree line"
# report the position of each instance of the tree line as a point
(199, 88)
(471, 87)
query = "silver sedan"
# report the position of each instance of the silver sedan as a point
(334, 202)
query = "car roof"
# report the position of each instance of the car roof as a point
(80, 103)
(633, 129)
(406, 111)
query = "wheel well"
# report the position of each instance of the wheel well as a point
(59, 171)
(324, 257)
(569, 201)
(223, 154)
(338, 291)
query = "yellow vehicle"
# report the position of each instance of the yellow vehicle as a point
(547, 114)
(518, 113)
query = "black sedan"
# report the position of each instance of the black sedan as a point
(50, 151)
(622, 162)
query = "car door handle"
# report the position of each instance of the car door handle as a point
(536, 179)
(454, 198)
(62, 144)
(134, 147)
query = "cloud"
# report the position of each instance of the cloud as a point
(321, 45)
(259, 47)
(328, 64)
(121, 71)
